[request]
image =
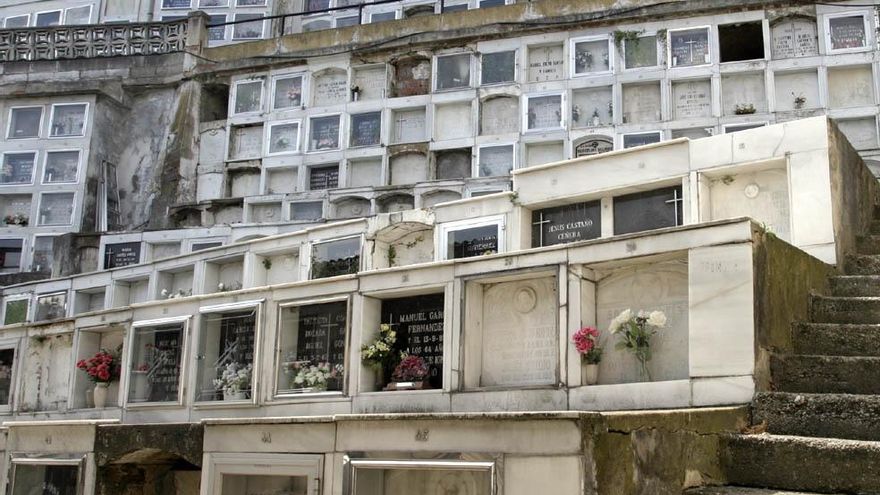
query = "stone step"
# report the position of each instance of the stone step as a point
(868, 244)
(855, 417)
(825, 374)
(862, 264)
(740, 490)
(836, 339)
(830, 309)
(855, 286)
(824, 465)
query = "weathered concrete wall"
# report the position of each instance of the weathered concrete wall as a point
(784, 278)
(75, 253)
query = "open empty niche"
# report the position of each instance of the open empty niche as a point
(277, 267)
(691, 99)
(591, 107)
(511, 331)
(365, 173)
(641, 103)
(759, 191)
(89, 342)
(412, 76)
(540, 153)
(265, 212)
(173, 283)
(130, 291)
(395, 202)
(242, 182)
(352, 207)
(404, 243)
(850, 86)
(246, 142)
(742, 41)
(280, 180)
(453, 121)
(499, 115)
(861, 133)
(16, 205)
(796, 90)
(453, 164)
(88, 300)
(408, 168)
(223, 274)
(436, 197)
(743, 94)
(650, 284)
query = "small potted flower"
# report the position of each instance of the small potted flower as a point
(410, 374)
(102, 369)
(381, 354)
(635, 332)
(586, 342)
(234, 381)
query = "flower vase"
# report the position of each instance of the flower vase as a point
(99, 395)
(239, 395)
(379, 377)
(644, 372)
(589, 374)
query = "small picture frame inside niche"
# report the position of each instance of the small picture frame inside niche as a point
(324, 132)
(283, 137)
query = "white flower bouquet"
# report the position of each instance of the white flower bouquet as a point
(635, 331)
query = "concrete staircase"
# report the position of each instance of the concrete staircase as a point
(823, 418)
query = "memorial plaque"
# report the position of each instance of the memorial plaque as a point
(591, 57)
(250, 3)
(850, 86)
(321, 333)
(324, 133)
(396, 202)
(323, 178)
(333, 258)
(648, 210)
(640, 139)
(122, 254)
(288, 92)
(18, 168)
(641, 103)
(569, 223)
(689, 47)
(45, 479)
(453, 71)
(544, 112)
(17, 21)
(796, 90)
(496, 161)
(366, 129)
(365, 173)
(236, 337)
(61, 166)
(265, 212)
(155, 376)
(198, 246)
(369, 83)
(640, 52)
(412, 77)
(743, 94)
(213, 3)
(246, 142)
(216, 33)
(352, 207)
(541, 153)
(330, 88)
(176, 4)
(847, 32)
(794, 37)
(519, 335)
(592, 107)
(68, 120)
(408, 168)
(454, 164)
(546, 63)
(594, 146)
(499, 67)
(472, 241)
(692, 99)
(284, 138)
(409, 125)
(248, 30)
(453, 121)
(248, 96)
(499, 115)
(418, 322)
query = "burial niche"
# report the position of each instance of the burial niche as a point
(499, 115)
(453, 164)
(412, 76)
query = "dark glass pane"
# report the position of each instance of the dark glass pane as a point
(569, 223)
(498, 67)
(40, 479)
(122, 254)
(648, 210)
(475, 241)
(418, 322)
(330, 259)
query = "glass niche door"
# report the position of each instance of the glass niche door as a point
(46, 476)
(276, 474)
(381, 477)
